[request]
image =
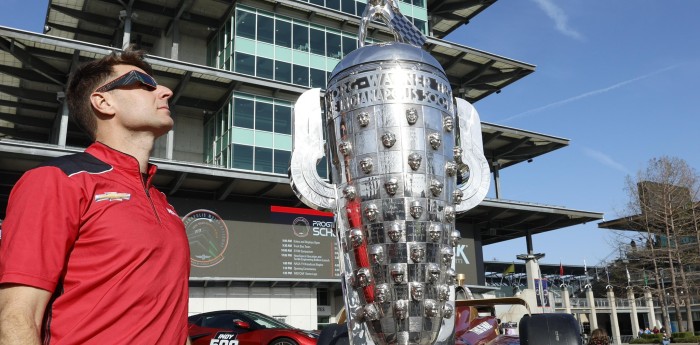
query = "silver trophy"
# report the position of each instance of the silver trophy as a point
(406, 156)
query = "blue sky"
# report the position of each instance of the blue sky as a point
(617, 78)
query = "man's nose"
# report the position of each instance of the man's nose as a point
(164, 91)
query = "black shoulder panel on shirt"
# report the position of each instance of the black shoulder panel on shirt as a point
(79, 162)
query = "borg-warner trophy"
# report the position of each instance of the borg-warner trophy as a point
(406, 156)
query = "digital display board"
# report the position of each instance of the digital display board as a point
(240, 241)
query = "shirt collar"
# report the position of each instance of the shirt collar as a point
(123, 161)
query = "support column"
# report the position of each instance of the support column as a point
(63, 124)
(650, 304)
(633, 313)
(170, 144)
(592, 318)
(565, 298)
(497, 180)
(175, 49)
(614, 324)
(127, 29)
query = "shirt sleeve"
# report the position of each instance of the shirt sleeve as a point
(41, 225)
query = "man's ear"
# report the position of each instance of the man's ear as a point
(102, 102)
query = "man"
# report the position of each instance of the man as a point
(91, 252)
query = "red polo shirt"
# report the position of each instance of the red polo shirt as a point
(112, 250)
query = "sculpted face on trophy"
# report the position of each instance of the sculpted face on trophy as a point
(397, 140)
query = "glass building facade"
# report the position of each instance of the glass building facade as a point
(253, 132)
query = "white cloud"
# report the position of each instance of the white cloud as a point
(561, 20)
(605, 160)
(587, 94)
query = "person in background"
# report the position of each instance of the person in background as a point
(655, 330)
(599, 337)
(92, 252)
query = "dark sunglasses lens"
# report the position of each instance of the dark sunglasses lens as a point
(145, 79)
(131, 78)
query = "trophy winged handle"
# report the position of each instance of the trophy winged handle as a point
(476, 186)
(307, 151)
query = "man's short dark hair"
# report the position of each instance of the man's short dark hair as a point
(89, 76)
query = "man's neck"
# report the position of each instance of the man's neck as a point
(139, 147)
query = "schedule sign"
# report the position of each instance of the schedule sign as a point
(259, 241)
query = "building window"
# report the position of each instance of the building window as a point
(245, 63)
(283, 33)
(348, 6)
(318, 78)
(318, 42)
(300, 75)
(335, 49)
(243, 113)
(263, 116)
(266, 29)
(349, 44)
(242, 157)
(283, 119)
(282, 160)
(266, 68)
(245, 24)
(263, 159)
(300, 37)
(333, 4)
(283, 71)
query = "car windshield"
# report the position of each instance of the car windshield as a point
(265, 321)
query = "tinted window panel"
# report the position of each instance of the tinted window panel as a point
(243, 157)
(283, 71)
(318, 42)
(317, 2)
(245, 63)
(283, 33)
(348, 6)
(243, 110)
(318, 78)
(333, 4)
(283, 119)
(360, 7)
(349, 44)
(282, 159)
(263, 159)
(245, 24)
(266, 68)
(263, 116)
(334, 48)
(300, 75)
(300, 37)
(266, 29)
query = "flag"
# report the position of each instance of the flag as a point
(561, 269)
(628, 275)
(510, 269)
(646, 279)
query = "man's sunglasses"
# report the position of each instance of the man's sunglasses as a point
(130, 78)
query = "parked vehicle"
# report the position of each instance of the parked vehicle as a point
(242, 327)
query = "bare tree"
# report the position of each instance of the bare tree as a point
(663, 206)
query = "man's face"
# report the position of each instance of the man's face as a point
(139, 108)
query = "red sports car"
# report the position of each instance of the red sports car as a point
(241, 327)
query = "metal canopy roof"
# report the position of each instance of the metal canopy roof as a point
(501, 220)
(506, 146)
(473, 74)
(448, 15)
